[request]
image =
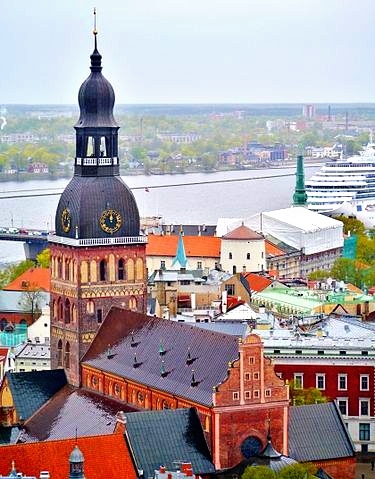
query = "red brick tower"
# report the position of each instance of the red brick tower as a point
(97, 254)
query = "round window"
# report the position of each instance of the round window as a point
(250, 446)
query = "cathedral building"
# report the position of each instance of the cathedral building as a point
(97, 252)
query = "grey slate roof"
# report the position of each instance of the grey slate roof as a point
(30, 390)
(72, 408)
(317, 432)
(137, 337)
(163, 437)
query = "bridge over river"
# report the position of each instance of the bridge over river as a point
(34, 241)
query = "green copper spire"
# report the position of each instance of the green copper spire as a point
(300, 196)
(180, 259)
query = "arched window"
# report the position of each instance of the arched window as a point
(54, 309)
(66, 270)
(59, 354)
(67, 311)
(230, 256)
(102, 270)
(59, 268)
(121, 270)
(90, 307)
(248, 256)
(67, 355)
(60, 314)
(132, 303)
(234, 269)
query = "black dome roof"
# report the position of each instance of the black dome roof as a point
(96, 97)
(86, 198)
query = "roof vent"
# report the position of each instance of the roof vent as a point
(193, 383)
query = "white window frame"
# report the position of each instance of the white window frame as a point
(346, 382)
(346, 400)
(317, 377)
(364, 400)
(367, 377)
(298, 378)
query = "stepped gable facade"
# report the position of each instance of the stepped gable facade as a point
(97, 254)
(152, 364)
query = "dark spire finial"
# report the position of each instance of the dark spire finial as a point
(96, 58)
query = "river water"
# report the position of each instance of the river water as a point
(174, 197)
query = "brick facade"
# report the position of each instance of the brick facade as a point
(85, 284)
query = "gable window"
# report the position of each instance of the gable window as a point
(343, 382)
(364, 382)
(320, 381)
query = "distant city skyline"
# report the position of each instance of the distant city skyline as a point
(190, 51)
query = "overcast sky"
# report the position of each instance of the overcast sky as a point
(191, 51)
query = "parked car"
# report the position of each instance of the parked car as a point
(3, 230)
(13, 231)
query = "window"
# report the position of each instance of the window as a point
(256, 393)
(67, 355)
(251, 360)
(256, 376)
(230, 256)
(364, 407)
(236, 396)
(342, 382)
(364, 431)
(234, 269)
(121, 270)
(343, 405)
(229, 288)
(99, 315)
(248, 256)
(268, 393)
(59, 354)
(102, 270)
(162, 264)
(184, 282)
(320, 381)
(247, 376)
(199, 265)
(247, 395)
(364, 382)
(298, 380)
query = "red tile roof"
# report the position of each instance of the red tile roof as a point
(35, 278)
(257, 282)
(104, 456)
(243, 233)
(197, 246)
(272, 250)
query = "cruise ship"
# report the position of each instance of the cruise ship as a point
(345, 186)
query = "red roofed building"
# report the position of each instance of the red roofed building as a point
(32, 279)
(242, 249)
(104, 456)
(201, 251)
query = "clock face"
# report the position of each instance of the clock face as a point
(110, 221)
(66, 220)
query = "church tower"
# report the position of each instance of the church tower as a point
(97, 253)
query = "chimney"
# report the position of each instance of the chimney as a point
(120, 422)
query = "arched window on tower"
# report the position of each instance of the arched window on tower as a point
(59, 268)
(121, 270)
(66, 269)
(90, 151)
(67, 356)
(60, 311)
(59, 354)
(67, 311)
(102, 270)
(103, 147)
